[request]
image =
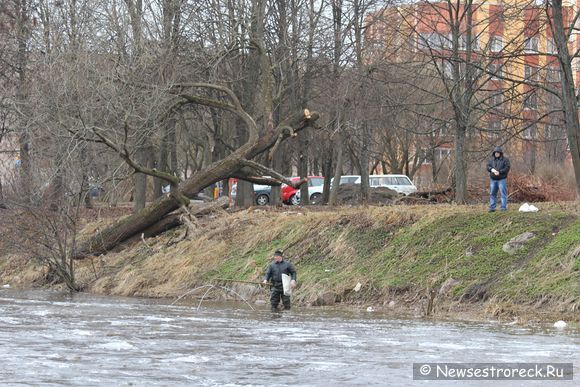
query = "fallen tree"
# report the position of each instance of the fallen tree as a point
(178, 218)
(239, 164)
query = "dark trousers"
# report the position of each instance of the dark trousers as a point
(277, 292)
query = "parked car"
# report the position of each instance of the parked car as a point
(399, 183)
(315, 191)
(347, 179)
(287, 193)
(262, 193)
(290, 195)
(96, 190)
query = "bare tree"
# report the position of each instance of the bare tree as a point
(563, 27)
(239, 164)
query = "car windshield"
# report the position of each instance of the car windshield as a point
(382, 181)
(389, 180)
(348, 180)
(403, 180)
(315, 181)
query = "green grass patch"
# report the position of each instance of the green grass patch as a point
(394, 250)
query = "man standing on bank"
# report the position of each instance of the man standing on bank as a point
(274, 273)
(498, 167)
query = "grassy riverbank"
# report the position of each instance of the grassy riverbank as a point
(403, 256)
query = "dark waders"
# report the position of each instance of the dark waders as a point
(277, 293)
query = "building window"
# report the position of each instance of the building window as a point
(496, 100)
(530, 131)
(442, 153)
(531, 44)
(552, 132)
(434, 40)
(463, 43)
(495, 70)
(530, 73)
(447, 128)
(446, 41)
(494, 127)
(531, 101)
(551, 46)
(552, 103)
(447, 69)
(424, 39)
(553, 74)
(496, 44)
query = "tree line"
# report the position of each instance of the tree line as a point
(137, 95)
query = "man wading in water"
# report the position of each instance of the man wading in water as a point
(274, 273)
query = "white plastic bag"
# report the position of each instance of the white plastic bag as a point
(528, 208)
(286, 279)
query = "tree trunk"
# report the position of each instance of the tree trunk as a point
(434, 168)
(85, 184)
(140, 181)
(337, 171)
(569, 103)
(161, 165)
(277, 165)
(23, 35)
(2, 204)
(460, 168)
(364, 164)
(244, 194)
(25, 169)
(172, 144)
(57, 189)
(327, 172)
(533, 155)
(303, 172)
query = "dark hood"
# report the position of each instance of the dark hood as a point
(497, 149)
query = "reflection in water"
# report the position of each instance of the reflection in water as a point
(51, 338)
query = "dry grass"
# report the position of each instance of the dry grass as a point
(396, 253)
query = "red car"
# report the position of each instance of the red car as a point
(288, 194)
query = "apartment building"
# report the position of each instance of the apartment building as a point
(506, 48)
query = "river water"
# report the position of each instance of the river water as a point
(49, 338)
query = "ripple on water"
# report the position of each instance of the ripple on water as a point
(79, 332)
(189, 359)
(114, 345)
(155, 318)
(39, 312)
(442, 345)
(9, 320)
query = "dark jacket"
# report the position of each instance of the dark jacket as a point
(501, 164)
(276, 269)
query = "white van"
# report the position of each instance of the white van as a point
(399, 183)
(347, 179)
(315, 191)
